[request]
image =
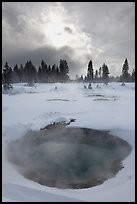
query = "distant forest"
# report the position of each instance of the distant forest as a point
(50, 74)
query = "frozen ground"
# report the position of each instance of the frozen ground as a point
(110, 107)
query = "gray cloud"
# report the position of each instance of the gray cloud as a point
(67, 29)
(76, 31)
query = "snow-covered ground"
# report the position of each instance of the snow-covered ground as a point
(111, 107)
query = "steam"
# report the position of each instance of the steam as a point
(68, 157)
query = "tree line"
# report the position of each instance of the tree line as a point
(29, 73)
(102, 74)
(49, 74)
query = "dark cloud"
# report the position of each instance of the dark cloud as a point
(67, 29)
(48, 54)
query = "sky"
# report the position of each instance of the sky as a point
(75, 31)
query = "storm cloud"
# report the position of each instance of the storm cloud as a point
(75, 31)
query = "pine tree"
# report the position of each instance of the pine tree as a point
(133, 75)
(7, 74)
(64, 70)
(21, 73)
(40, 74)
(99, 73)
(53, 73)
(81, 78)
(105, 73)
(16, 77)
(26, 72)
(30, 72)
(34, 72)
(44, 70)
(57, 74)
(90, 71)
(49, 73)
(53, 69)
(125, 68)
(96, 74)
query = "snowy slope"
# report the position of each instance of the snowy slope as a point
(35, 107)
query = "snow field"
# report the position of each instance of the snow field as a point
(28, 108)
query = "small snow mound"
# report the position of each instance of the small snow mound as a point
(31, 84)
(61, 120)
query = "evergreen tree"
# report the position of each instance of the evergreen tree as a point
(81, 78)
(49, 73)
(64, 70)
(53, 69)
(57, 74)
(99, 73)
(133, 75)
(7, 74)
(44, 70)
(96, 74)
(85, 79)
(40, 74)
(125, 68)
(6, 66)
(53, 73)
(21, 73)
(90, 71)
(30, 72)
(26, 72)
(16, 77)
(33, 71)
(105, 73)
